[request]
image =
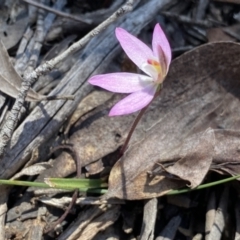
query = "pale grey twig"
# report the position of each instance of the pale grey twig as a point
(3, 210)
(43, 25)
(38, 39)
(62, 202)
(22, 46)
(219, 224)
(149, 219)
(57, 12)
(237, 217)
(210, 214)
(23, 58)
(29, 78)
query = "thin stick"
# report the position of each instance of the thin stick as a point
(61, 219)
(29, 78)
(59, 13)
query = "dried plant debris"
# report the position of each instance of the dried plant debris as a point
(13, 22)
(11, 81)
(188, 136)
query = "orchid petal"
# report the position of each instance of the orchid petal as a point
(161, 47)
(134, 101)
(121, 82)
(136, 50)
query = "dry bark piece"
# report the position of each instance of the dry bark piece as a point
(220, 217)
(36, 230)
(3, 210)
(198, 236)
(237, 216)
(170, 230)
(99, 224)
(85, 219)
(64, 201)
(149, 219)
(35, 169)
(210, 214)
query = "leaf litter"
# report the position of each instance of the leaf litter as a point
(190, 129)
(11, 81)
(188, 132)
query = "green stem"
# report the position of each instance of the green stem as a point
(211, 184)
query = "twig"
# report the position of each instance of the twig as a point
(29, 78)
(22, 46)
(149, 219)
(61, 219)
(3, 210)
(210, 214)
(43, 26)
(23, 58)
(237, 217)
(62, 202)
(220, 217)
(38, 39)
(201, 9)
(59, 13)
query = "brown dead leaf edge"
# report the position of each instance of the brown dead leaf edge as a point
(197, 131)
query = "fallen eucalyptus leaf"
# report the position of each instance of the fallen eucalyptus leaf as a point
(11, 82)
(12, 30)
(197, 129)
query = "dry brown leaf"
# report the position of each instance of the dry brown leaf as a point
(11, 34)
(200, 92)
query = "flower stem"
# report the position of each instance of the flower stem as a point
(135, 123)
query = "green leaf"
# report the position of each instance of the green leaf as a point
(75, 183)
(202, 186)
(83, 185)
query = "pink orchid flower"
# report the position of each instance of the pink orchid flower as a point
(155, 63)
